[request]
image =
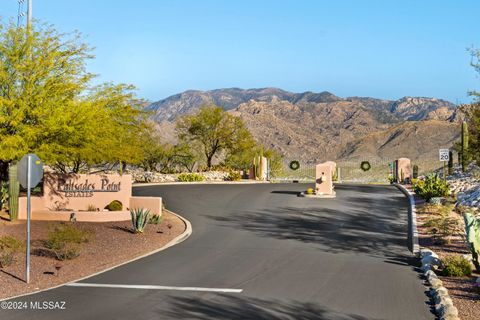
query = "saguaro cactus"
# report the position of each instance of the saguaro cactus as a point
(415, 171)
(450, 162)
(13, 191)
(464, 145)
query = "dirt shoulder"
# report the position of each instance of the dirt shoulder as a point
(461, 289)
(112, 244)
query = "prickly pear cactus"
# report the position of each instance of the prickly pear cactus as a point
(472, 228)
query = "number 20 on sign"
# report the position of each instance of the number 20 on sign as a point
(443, 154)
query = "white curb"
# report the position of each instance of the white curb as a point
(178, 239)
(412, 219)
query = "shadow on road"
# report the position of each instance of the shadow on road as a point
(286, 192)
(376, 229)
(236, 308)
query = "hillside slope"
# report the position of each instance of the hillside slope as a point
(320, 126)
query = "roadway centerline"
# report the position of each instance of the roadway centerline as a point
(152, 287)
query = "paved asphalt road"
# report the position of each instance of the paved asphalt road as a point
(294, 258)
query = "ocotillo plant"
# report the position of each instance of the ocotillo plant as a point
(464, 145)
(13, 191)
(472, 228)
(415, 171)
(450, 162)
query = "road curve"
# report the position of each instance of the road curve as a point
(293, 258)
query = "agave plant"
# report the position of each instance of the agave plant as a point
(140, 218)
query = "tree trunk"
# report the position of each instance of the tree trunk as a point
(4, 170)
(209, 161)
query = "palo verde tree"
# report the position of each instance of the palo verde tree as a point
(49, 106)
(216, 131)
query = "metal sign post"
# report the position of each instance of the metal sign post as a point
(444, 155)
(30, 174)
(29, 186)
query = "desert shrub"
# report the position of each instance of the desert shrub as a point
(456, 266)
(442, 227)
(155, 219)
(190, 177)
(140, 218)
(66, 241)
(9, 246)
(431, 186)
(91, 207)
(310, 191)
(115, 205)
(233, 176)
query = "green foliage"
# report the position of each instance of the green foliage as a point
(115, 205)
(66, 241)
(49, 105)
(472, 230)
(13, 191)
(233, 176)
(216, 131)
(456, 266)
(140, 218)
(190, 177)
(415, 171)
(443, 226)
(365, 166)
(431, 186)
(294, 165)
(9, 246)
(165, 157)
(155, 219)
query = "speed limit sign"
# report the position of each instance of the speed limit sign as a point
(444, 154)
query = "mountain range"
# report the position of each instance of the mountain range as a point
(322, 126)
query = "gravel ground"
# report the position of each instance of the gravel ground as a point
(112, 244)
(461, 289)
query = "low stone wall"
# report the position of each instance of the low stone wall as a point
(139, 176)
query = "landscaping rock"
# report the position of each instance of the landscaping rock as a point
(427, 252)
(431, 261)
(435, 283)
(140, 176)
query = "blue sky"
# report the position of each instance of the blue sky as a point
(384, 49)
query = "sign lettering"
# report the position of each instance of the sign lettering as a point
(85, 188)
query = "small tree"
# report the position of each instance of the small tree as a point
(49, 106)
(216, 131)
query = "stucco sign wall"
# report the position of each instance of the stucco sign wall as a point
(78, 191)
(67, 194)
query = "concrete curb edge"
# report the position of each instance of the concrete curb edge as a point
(412, 220)
(178, 239)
